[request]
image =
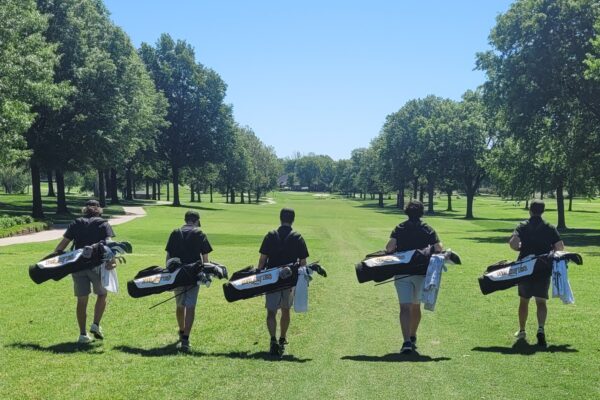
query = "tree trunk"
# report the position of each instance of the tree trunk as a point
(61, 200)
(249, 197)
(153, 189)
(147, 189)
(50, 185)
(527, 204)
(159, 184)
(128, 184)
(176, 202)
(227, 194)
(36, 209)
(107, 182)
(415, 188)
(242, 197)
(560, 207)
(168, 191)
(400, 200)
(101, 189)
(133, 186)
(542, 192)
(192, 198)
(114, 196)
(430, 194)
(232, 201)
(199, 197)
(570, 192)
(211, 193)
(470, 197)
(257, 196)
(380, 204)
(422, 194)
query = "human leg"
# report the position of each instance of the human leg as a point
(523, 312)
(284, 322)
(81, 313)
(190, 314)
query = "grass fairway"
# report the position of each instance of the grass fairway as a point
(344, 348)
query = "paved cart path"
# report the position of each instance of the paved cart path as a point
(131, 213)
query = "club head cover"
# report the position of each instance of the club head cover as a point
(319, 270)
(453, 257)
(285, 272)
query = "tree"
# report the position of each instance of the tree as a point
(26, 74)
(198, 119)
(470, 143)
(536, 76)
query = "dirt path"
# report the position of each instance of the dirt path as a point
(131, 213)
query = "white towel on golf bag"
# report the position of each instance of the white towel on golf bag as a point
(301, 291)
(110, 280)
(560, 282)
(432, 281)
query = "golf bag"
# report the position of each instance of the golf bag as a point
(154, 280)
(380, 266)
(503, 275)
(249, 282)
(58, 265)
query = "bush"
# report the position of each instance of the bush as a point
(8, 222)
(13, 179)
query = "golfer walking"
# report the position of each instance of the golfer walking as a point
(534, 237)
(280, 247)
(85, 231)
(190, 245)
(411, 234)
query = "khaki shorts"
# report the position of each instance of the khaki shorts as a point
(282, 299)
(83, 281)
(409, 289)
(189, 298)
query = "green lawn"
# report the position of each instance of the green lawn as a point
(344, 348)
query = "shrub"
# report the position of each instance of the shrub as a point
(8, 222)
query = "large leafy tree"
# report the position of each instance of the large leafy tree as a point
(536, 76)
(198, 119)
(26, 74)
(85, 126)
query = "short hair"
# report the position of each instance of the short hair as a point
(92, 209)
(414, 209)
(191, 216)
(287, 215)
(537, 207)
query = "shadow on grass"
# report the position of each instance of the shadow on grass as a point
(581, 237)
(397, 357)
(21, 205)
(171, 350)
(168, 350)
(61, 348)
(521, 347)
(259, 355)
(194, 207)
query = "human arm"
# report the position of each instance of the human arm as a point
(62, 245)
(204, 258)
(262, 261)
(515, 242)
(558, 246)
(437, 247)
(302, 262)
(391, 245)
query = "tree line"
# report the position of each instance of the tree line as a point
(79, 101)
(76, 96)
(532, 129)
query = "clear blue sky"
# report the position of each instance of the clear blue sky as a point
(321, 76)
